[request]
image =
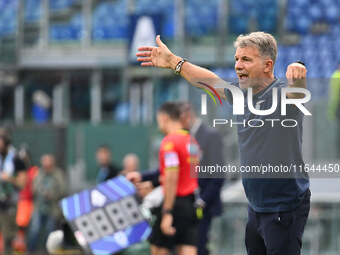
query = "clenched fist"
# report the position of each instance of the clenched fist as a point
(296, 76)
(296, 73)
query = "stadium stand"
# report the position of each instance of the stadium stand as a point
(301, 14)
(165, 8)
(243, 13)
(61, 5)
(32, 11)
(8, 23)
(110, 21)
(196, 12)
(68, 31)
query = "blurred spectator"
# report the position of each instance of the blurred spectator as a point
(107, 169)
(334, 102)
(48, 188)
(41, 106)
(130, 163)
(25, 202)
(12, 177)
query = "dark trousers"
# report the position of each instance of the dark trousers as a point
(278, 233)
(203, 231)
(38, 222)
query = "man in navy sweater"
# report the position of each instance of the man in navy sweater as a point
(278, 207)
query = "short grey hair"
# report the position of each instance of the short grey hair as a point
(264, 42)
(131, 156)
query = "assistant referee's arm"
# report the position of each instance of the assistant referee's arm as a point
(170, 187)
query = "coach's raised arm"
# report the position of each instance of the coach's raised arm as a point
(254, 65)
(279, 202)
(161, 56)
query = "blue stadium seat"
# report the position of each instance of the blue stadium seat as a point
(335, 31)
(58, 5)
(319, 52)
(332, 13)
(302, 14)
(238, 24)
(315, 12)
(296, 19)
(67, 32)
(313, 71)
(300, 3)
(242, 12)
(322, 40)
(32, 11)
(267, 15)
(268, 23)
(201, 17)
(8, 17)
(109, 21)
(308, 41)
(303, 24)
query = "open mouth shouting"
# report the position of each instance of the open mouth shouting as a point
(242, 76)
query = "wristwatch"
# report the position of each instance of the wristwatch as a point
(300, 62)
(179, 66)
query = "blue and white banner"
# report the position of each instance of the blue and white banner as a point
(106, 219)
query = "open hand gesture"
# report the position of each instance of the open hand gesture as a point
(155, 56)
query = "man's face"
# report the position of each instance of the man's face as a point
(103, 157)
(130, 165)
(162, 121)
(249, 66)
(47, 163)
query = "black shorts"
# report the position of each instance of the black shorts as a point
(184, 220)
